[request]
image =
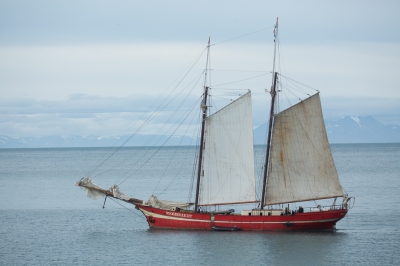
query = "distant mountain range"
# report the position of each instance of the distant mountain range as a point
(349, 129)
(359, 129)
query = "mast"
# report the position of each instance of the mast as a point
(271, 116)
(275, 39)
(203, 123)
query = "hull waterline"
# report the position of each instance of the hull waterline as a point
(166, 219)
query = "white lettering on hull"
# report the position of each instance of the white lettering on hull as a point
(178, 214)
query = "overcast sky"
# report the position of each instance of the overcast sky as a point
(93, 67)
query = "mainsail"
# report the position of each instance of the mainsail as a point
(301, 165)
(228, 162)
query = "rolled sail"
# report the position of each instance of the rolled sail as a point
(228, 163)
(301, 165)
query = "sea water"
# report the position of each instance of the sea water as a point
(46, 220)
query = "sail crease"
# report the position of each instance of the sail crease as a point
(228, 161)
(301, 164)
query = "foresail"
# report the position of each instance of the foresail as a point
(92, 190)
(228, 164)
(166, 204)
(301, 164)
(96, 192)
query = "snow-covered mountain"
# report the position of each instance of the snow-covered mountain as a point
(360, 129)
(349, 129)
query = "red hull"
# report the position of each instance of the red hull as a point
(165, 219)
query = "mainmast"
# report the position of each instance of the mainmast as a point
(203, 123)
(271, 117)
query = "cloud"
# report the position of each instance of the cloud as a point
(57, 22)
(93, 68)
(107, 70)
(112, 116)
(366, 69)
(93, 115)
(69, 91)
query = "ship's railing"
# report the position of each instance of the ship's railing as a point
(287, 211)
(318, 208)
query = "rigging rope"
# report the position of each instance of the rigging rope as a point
(174, 125)
(141, 217)
(156, 112)
(299, 83)
(241, 80)
(162, 107)
(173, 156)
(152, 154)
(259, 71)
(195, 162)
(120, 205)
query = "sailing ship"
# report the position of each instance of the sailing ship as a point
(298, 167)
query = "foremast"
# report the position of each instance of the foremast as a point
(203, 123)
(271, 117)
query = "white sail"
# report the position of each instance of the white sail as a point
(228, 164)
(301, 164)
